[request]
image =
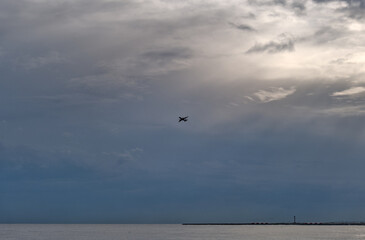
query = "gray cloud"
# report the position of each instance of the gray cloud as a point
(170, 54)
(299, 7)
(249, 15)
(243, 27)
(359, 3)
(354, 9)
(328, 34)
(268, 2)
(34, 62)
(285, 43)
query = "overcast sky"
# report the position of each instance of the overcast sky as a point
(91, 92)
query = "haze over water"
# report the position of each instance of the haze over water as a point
(177, 232)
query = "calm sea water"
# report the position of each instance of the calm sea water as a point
(179, 232)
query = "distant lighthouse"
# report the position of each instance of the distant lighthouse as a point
(294, 220)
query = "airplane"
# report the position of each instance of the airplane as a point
(185, 119)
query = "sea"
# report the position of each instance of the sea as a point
(176, 232)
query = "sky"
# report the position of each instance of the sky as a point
(91, 92)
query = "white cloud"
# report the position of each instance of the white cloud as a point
(350, 91)
(273, 94)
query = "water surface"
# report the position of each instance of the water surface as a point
(178, 232)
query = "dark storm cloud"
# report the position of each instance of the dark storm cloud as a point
(286, 43)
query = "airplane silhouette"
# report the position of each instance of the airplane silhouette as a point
(185, 119)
